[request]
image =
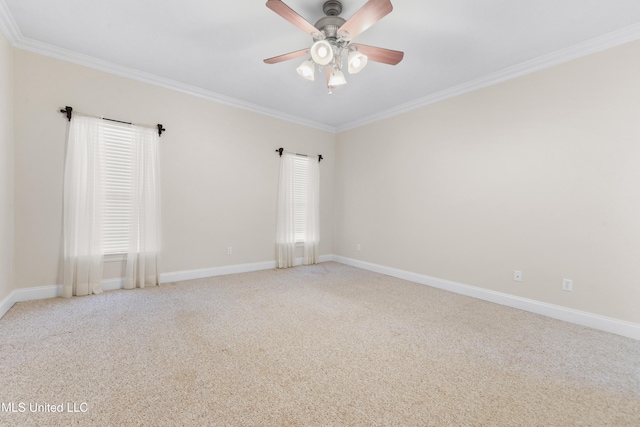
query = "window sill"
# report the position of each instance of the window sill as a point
(115, 257)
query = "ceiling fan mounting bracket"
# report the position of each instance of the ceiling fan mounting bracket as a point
(332, 8)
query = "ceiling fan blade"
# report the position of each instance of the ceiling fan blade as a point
(369, 14)
(290, 15)
(287, 56)
(378, 54)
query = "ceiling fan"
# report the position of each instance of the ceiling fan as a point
(332, 36)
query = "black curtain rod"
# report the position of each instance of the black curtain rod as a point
(68, 111)
(281, 150)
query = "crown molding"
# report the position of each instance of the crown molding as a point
(8, 25)
(597, 44)
(144, 77)
(11, 31)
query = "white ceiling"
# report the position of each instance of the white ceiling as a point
(216, 48)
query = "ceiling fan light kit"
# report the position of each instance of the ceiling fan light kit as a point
(337, 79)
(307, 70)
(356, 61)
(332, 36)
(322, 52)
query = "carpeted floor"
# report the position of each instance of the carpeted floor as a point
(324, 345)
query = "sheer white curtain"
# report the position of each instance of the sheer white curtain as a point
(83, 208)
(86, 210)
(144, 220)
(285, 228)
(298, 210)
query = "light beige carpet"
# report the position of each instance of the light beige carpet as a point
(325, 345)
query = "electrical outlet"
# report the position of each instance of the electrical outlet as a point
(567, 285)
(517, 276)
(229, 250)
(358, 247)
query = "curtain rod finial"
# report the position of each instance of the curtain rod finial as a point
(67, 110)
(280, 150)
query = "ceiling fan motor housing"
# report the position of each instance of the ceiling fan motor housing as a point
(329, 26)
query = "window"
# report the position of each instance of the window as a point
(297, 217)
(111, 203)
(118, 190)
(300, 169)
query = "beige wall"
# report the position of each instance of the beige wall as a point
(6, 167)
(219, 168)
(539, 174)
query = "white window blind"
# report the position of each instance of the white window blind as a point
(118, 155)
(300, 196)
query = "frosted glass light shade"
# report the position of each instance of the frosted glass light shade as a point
(307, 70)
(357, 61)
(337, 78)
(321, 52)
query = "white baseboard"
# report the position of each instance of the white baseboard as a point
(202, 273)
(52, 291)
(227, 269)
(113, 284)
(28, 294)
(595, 321)
(583, 318)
